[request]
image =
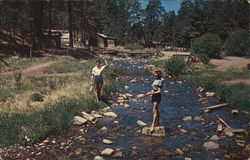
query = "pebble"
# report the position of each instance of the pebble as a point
(98, 158)
(210, 94)
(106, 141)
(53, 141)
(110, 114)
(141, 123)
(229, 134)
(126, 87)
(88, 116)
(210, 145)
(183, 131)
(219, 128)
(187, 118)
(133, 81)
(116, 122)
(198, 118)
(215, 138)
(104, 129)
(187, 158)
(107, 152)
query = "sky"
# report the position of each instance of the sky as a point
(169, 5)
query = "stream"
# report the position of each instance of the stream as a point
(184, 138)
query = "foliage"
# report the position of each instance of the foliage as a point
(207, 46)
(238, 43)
(175, 66)
(18, 78)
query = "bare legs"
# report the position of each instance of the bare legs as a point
(98, 90)
(156, 115)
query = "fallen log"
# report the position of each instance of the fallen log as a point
(214, 106)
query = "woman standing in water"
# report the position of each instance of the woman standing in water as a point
(96, 78)
(156, 97)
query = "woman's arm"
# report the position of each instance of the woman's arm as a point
(154, 92)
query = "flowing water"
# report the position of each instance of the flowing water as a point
(179, 99)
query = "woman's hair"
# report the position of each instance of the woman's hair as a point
(98, 61)
(158, 71)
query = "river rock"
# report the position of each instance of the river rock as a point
(133, 81)
(106, 141)
(126, 87)
(187, 118)
(88, 116)
(141, 123)
(198, 118)
(179, 152)
(97, 115)
(104, 129)
(78, 151)
(79, 120)
(159, 131)
(219, 128)
(235, 111)
(187, 158)
(210, 145)
(229, 134)
(183, 131)
(110, 114)
(200, 89)
(210, 94)
(214, 138)
(107, 152)
(98, 158)
(129, 95)
(126, 105)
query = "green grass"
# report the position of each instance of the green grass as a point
(236, 94)
(64, 97)
(22, 63)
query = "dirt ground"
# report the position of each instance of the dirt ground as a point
(230, 63)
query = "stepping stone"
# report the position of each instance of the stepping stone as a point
(159, 131)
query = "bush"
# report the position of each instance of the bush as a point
(207, 46)
(175, 66)
(238, 43)
(36, 97)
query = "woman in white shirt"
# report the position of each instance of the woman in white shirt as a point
(156, 97)
(96, 78)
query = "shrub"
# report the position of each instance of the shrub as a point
(207, 46)
(36, 97)
(175, 66)
(238, 43)
(17, 78)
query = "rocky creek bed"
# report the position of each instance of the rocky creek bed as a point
(115, 132)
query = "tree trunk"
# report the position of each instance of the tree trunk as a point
(70, 24)
(50, 15)
(143, 33)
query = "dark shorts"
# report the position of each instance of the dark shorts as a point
(156, 98)
(98, 80)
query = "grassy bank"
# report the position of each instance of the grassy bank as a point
(215, 81)
(24, 120)
(237, 94)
